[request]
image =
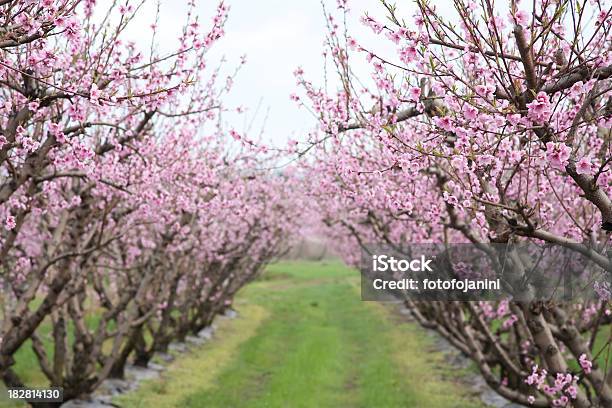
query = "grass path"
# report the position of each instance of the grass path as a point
(303, 338)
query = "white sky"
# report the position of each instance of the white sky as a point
(277, 36)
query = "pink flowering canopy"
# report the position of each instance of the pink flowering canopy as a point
(130, 214)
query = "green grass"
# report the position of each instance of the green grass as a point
(187, 374)
(314, 343)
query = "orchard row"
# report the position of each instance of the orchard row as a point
(126, 219)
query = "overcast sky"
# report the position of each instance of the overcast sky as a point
(277, 36)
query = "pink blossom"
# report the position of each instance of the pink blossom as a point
(522, 18)
(576, 89)
(470, 112)
(56, 130)
(408, 54)
(558, 154)
(510, 321)
(10, 223)
(373, 24)
(585, 363)
(603, 290)
(450, 199)
(560, 402)
(515, 156)
(94, 93)
(33, 106)
(484, 91)
(124, 9)
(395, 36)
(460, 163)
(602, 16)
(539, 109)
(444, 122)
(414, 94)
(584, 166)
(537, 377)
(485, 160)
(28, 144)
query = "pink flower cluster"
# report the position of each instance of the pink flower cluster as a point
(585, 363)
(540, 109)
(563, 390)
